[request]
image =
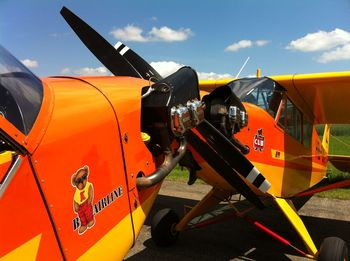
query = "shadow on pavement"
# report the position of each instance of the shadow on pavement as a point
(237, 239)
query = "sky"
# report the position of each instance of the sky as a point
(213, 37)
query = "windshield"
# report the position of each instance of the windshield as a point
(262, 92)
(21, 92)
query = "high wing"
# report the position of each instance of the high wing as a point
(322, 96)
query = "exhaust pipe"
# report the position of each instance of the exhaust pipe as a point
(167, 166)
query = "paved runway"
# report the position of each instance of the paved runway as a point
(236, 239)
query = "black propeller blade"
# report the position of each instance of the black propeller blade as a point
(145, 69)
(103, 50)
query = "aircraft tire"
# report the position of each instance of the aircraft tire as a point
(163, 227)
(333, 249)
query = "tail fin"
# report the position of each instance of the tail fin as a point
(326, 137)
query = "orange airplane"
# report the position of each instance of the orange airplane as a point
(82, 158)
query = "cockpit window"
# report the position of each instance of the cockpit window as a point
(21, 92)
(262, 92)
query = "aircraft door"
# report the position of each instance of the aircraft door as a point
(80, 166)
(21, 206)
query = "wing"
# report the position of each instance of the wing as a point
(210, 85)
(323, 95)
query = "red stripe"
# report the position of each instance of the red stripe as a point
(339, 184)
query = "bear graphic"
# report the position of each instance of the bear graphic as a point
(83, 197)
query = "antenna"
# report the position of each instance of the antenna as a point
(242, 67)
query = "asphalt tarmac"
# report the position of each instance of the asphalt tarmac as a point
(236, 239)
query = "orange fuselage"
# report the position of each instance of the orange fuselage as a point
(288, 164)
(92, 122)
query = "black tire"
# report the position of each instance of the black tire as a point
(163, 227)
(333, 249)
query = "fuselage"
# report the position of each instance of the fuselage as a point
(284, 144)
(89, 123)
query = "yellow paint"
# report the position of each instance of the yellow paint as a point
(112, 246)
(314, 95)
(304, 160)
(209, 85)
(298, 224)
(286, 182)
(145, 137)
(326, 136)
(277, 154)
(140, 214)
(27, 251)
(6, 156)
(115, 245)
(258, 73)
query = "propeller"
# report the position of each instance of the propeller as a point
(145, 69)
(112, 59)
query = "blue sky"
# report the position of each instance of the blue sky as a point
(214, 37)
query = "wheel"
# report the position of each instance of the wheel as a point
(333, 249)
(163, 227)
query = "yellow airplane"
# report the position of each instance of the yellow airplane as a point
(271, 158)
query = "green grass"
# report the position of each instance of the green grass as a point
(341, 193)
(339, 145)
(178, 174)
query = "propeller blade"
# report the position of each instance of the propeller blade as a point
(145, 69)
(103, 50)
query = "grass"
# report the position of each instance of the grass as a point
(339, 145)
(178, 174)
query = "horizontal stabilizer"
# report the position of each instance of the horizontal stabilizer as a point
(320, 188)
(341, 162)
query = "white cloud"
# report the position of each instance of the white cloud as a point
(262, 42)
(169, 35)
(165, 68)
(245, 44)
(129, 33)
(87, 71)
(320, 41)
(99, 71)
(335, 45)
(239, 45)
(66, 71)
(30, 63)
(340, 53)
(213, 76)
(135, 34)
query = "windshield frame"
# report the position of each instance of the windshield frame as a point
(245, 89)
(21, 93)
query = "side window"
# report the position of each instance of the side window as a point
(274, 100)
(291, 120)
(307, 129)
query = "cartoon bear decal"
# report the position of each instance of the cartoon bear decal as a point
(83, 199)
